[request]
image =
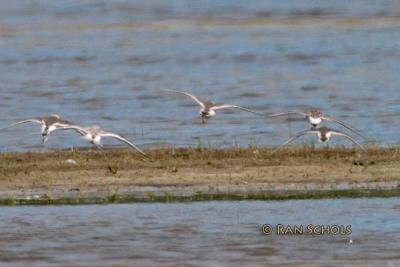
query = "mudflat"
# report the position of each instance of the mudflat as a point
(90, 175)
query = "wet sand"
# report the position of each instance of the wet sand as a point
(119, 175)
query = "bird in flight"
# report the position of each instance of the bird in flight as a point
(94, 134)
(324, 134)
(49, 124)
(315, 117)
(208, 108)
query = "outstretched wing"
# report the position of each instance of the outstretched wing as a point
(120, 138)
(296, 136)
(35, 120)
(235, 107)
(350, 138)
(56, 116)
(274, 115)
(64, 123)
(81, 130)
(345, 125)
(194, 97)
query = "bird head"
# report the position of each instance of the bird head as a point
(45, 137)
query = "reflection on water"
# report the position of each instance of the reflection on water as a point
(103, 62)
(200, 234)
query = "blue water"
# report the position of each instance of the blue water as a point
(103, 62)
(200, 234)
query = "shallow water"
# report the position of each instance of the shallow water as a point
(200, 234)
(102, 62)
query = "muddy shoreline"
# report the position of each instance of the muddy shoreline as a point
(87, 176)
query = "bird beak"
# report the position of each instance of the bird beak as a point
(45, 138)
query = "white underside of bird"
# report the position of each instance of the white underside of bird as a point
(327, 135)
(314, 121)
(96, 139)
(46, 133)
(210, 113)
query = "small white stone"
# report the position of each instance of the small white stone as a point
(71, 161)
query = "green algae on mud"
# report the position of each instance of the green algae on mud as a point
(200, 196)
(88, 176)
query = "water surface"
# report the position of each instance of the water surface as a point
(102, 62)
(200, 234)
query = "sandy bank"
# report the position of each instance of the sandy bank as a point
(119, 175)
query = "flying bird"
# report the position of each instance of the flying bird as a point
(324, 134)
(208, 108)
(94, 134)
(315, 117)
(49, 124)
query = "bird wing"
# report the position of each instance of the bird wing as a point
(287, 114)
(296, 136)
(56, 116)
(350, 138)
(235, 107)
(120, 138)
(81, 130)
(35, 120)
(194, 97)
(63, 124)
(345, 125)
